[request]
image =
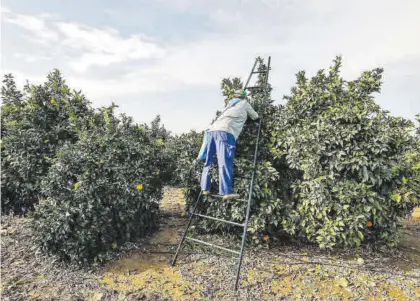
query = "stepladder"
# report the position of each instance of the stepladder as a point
(262, 71)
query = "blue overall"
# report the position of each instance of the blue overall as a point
(203, 150)
(222, 144)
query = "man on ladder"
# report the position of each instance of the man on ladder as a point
(220, 138)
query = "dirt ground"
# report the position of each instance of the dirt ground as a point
(141, 271)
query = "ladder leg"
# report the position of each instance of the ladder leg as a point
(186, 230)
(248, 208)
(250, 75)
(241, 255)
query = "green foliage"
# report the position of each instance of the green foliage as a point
(183, 149)
(34, 124)
(353, 158)
(411, 176)
(162, 137)
(273, 178)
(333, 167)
(102, 190)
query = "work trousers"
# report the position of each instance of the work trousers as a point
(222, 144)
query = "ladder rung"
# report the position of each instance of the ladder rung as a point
(221, 196)
(239, 177)
(246, 156)
(257, 87)
(243, 200)
(212, 245)
(219, 220)
(255, 72)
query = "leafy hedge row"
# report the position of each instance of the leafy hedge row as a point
(34, 124)
(101, 191)
(353, 157)
(334, 168)
(94, 179)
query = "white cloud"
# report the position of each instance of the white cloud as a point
(297, 35)
(102, 47)
(83, 46)
(104, 91)
(36, 25)
(22, 77)
(326, 28)
(31, 58)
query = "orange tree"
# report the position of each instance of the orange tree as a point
(182, 149)
(332, 164)
(356, 183)
(101, 191)
(34, 124)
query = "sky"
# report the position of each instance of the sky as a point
(168, 57)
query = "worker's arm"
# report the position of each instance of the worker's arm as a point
(251, 112)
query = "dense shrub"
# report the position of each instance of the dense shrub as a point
(183, 149)
(333, 166)
(411, 176)
(351, 153)
(102, 190)
(34, 124)
(163, 137)
(418, 125)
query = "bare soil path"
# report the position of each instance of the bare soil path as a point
(286, 271)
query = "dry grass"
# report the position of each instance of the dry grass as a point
(286, 271)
